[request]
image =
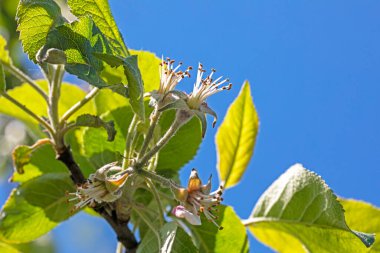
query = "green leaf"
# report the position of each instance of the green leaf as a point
(4, 54)
(35, 18)
(135, 83)
(70, 94)
(362, 216)
(233, 238)
(100, 11)
(301, 210)
(36, 207)
(236, 138)
(149, 67)
(174, 240)
(80, 40)
(40, 161)
(94, 121)
(6, 248)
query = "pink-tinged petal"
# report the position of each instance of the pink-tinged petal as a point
(181, 212)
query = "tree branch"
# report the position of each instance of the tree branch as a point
(123, 233)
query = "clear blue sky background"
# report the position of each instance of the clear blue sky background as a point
(314, 71)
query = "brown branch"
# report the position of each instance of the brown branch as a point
(123, 233)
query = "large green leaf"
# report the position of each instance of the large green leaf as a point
(233, 237)
(80, 41)
(36, 207)
(363, 216)
(236, 138)
(70, 94)
(35, 18)
(6, 248)
(40, 162)
(174, 240)
(100, 11)
(301, 210)
(4, 54)
(178, 151)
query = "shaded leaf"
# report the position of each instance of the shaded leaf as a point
(35, 18)
(174, 240)
(233, 238)
(3, 85)
(94, 121)
(362, 216)
(100, 11)
(70, 94)
(236, 138)
(36, 207)
(300, 208)
(80, 40)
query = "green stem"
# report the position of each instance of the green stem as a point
(153, 122)
(153, 189)
(155, 177)
(128, 142)
(25, 78)
(54, 94)
(79, 105)
(168, 135)
(29, 112)
(149, 224)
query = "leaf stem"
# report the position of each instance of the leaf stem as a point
(25, 78)
(167, 136)
(153, 189)
(155, 177)
(153, 122)
(54, 94)
(79, 105)
(128, 141)
(29, 112)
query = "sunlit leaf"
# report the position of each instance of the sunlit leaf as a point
(4, 54)
(233, 237)
(6, 248)
(35, 18)
(236, 138)
(362, 216)
(70, 94)
(36, 207)
(301, 209)
(100, 11)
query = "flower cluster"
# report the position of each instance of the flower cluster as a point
(197, 199)
(193, 104)
(102, 186)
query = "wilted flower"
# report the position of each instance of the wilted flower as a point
(102, 186)
(195, 102)
(197, 199)
(170, 76)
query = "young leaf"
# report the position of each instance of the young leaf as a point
(233, 238)
(236, 138)
(94, 121)
(4, 54)
(174, 240)
(362, 216)
(301, 210)
(39, 162)
(135, 83)
(35, 18)
(36, 207)
(101, 13)
(70, 94)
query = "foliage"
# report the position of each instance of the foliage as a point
(117, 150)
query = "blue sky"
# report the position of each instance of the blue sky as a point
(314, 72)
